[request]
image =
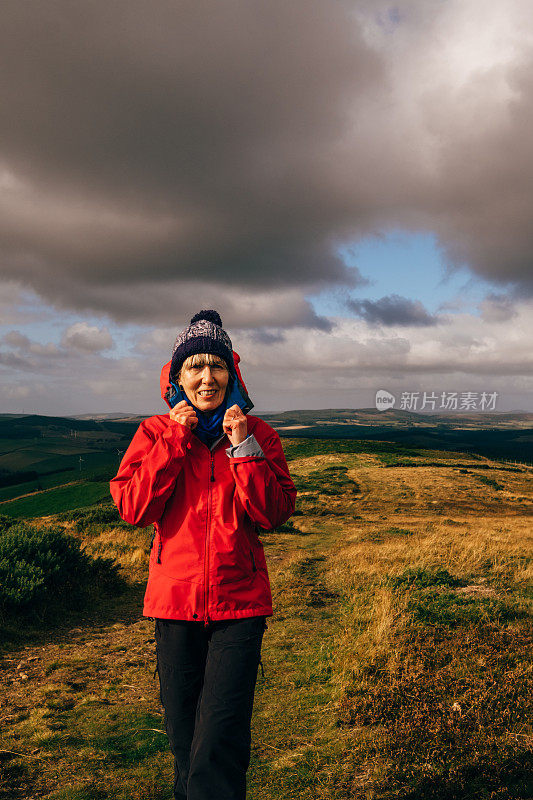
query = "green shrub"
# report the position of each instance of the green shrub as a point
(6, 522)
(420, 578)
(434, 607)
(434, 599)
(21, 582)
(42, 565)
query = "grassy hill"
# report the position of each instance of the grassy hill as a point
(397, 664)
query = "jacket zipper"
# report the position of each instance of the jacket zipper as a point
(157, 533)
(206, 553)
(253, 561)
(152, 539)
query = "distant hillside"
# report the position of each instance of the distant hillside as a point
(507, 436)
(115, 415)
(399, 418)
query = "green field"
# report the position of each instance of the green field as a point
(54, 501)
(42, 482)
(48, 447)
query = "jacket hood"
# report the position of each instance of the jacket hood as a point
(164, 380)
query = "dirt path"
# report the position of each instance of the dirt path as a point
(295, 727)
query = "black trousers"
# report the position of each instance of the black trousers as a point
(207, 678)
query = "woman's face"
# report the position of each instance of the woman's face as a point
(205, 384)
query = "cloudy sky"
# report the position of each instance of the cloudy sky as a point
(349, 183)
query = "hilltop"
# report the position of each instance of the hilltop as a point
(399, 418)
(397, 663)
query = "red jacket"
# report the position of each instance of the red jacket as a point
(206, 562)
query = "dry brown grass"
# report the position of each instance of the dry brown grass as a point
(449, 702)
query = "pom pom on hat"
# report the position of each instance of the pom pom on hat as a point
(210, 315)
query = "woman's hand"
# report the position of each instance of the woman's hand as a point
(235, 425)
(184, 414)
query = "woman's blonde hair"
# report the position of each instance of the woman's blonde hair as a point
(199, 359)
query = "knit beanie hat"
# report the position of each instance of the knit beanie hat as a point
(204, 335)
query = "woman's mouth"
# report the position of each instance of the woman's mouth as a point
(207, 392)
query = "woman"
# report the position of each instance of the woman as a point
(208, 586)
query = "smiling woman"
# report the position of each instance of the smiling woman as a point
(210, 477)
(204, 379)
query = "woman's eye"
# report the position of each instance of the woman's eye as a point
(200, 367)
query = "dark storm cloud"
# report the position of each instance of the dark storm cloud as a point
(392, 310)
(173, 140)
(238, 143)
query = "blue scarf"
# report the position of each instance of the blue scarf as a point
(209, 427)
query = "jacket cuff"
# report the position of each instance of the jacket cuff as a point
(250, 448)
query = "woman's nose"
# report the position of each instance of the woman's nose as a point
(207, 376)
